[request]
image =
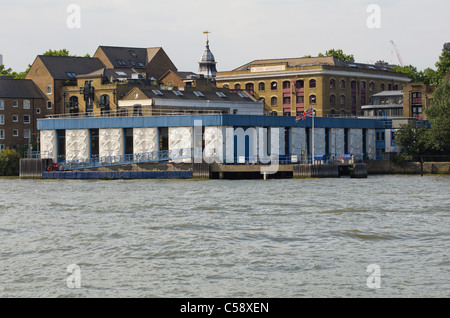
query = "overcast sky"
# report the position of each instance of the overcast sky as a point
(241, 30)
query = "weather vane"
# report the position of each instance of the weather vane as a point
(207, 38)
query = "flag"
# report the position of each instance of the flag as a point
(308, 113)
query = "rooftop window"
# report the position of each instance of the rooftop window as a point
(120, 73)
(199, 94)
(157, 92)
(71, 75)
(121, 62)
(178, 93)
(220, 94)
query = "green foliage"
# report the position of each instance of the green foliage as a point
(339, 54)
(442, 66)
(412, 140)
(9, 162)
(438, 114)
(63, 52)
(416, 76)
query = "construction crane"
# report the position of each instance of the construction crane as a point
(398, 53)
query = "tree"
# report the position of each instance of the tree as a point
(9, 162)
(412, 139)
(63, 52)
(414, 75)
(339, 54)
(442, 66)
(438, 114)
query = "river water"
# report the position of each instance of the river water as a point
(221, 238)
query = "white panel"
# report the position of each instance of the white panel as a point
(319, 141)
(281, 141)
(371, 144)
(181, 138)
(77, 144)
(48, 144)
(337, 142)
(214, 144)
(111, 142)
(355, 143)
(145, 140)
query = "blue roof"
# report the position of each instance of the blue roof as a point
(206, 120)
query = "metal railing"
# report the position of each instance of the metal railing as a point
(147, 157)
(139, 113)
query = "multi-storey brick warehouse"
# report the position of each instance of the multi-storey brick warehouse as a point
(21, 102)
(332, 87)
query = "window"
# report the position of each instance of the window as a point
(332, 84)
(274, 86)
(49, 104)
(71, 75)
(133, 63)
(140, 64)
(38, 111)
(262, 86)
(363, 85)
(15, 118)
(15, 103)
(2, 119)
(274, 101)
(2, 146)
(286, 84)
(121, 62)
(312, 83)
(237, 86)
(26, 119)
(342, 84)
(49, 89)
(120, 73)
(300, 99)
(15, 133)
(286, 100)
(371, 86)
(299, 84)
(220, 94)
(312, 99)
(332, 100)
(2, 104)
(382, 87)
(342, 100)
(26, 104)
(26, 133)
(2, 134)
(199, 94)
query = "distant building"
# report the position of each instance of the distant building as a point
(207, 64)
(154, 102)
(387, 104)
(333, 87)
(21, 103)
(447, 47)
(1, 59)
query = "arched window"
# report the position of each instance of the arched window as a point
(382, 86)
(342, 84)
(312, 83)
(226, 86)
(371, 86)
(49, 89)
(313, 100)
(274, 101)
(274, 86)
(342, 100)
(249, 87)
(332, 112)
(332, 100)
(332, 83)
(286, 84)
(299, 84)
(353, 84)
(237, 86)
(262, 86)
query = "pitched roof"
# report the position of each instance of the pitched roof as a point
(19, 88)
(126, 57)
(59, 66)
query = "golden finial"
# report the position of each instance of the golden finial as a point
(207, 38)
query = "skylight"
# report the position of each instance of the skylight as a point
(242, 95)
(199, 94)
(178, 93)
(157, 92)
(220, 94)
(121, 62)
(71, 75)
(120, 73)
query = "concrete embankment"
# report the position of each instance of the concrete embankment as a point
(390, 167)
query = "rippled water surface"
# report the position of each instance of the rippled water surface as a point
(274, 238)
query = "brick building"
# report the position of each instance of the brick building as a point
(333, 87)
(21, 103)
